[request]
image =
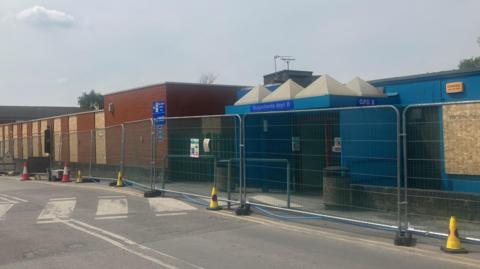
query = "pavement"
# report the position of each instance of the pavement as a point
(69, 225)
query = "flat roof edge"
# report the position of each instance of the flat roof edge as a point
(440, 74)
(173, 83)
(53, 117)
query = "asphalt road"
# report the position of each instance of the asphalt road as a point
(68, 225)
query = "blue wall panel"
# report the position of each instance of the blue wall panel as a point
(369, 145)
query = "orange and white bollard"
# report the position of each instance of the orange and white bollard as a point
(66, 173)
(25, 175)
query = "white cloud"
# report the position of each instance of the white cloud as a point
(40, 16)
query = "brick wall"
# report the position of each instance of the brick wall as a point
(197, 99)
(133, 104)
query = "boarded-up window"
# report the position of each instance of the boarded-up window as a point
(72, 125)
(57, 139)
(100, 138)
(461, 135)
(25, 140)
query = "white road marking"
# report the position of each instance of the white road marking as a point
(160, 205)
(62, 199)
(4, 200)
(170, 214)
(3, 210)
(270, 200)
(57, 209)
(112, 207)
(153, 255)
(111, 217)
(13, 198)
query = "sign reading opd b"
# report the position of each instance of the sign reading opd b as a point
(454, 87)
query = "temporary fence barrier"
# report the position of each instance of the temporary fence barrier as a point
(138, 147)
(442, 167)
(193, 154)
(340, 163)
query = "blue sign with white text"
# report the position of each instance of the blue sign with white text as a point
(158, 112)
(272, 106)
(366, 102)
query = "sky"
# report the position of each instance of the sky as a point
(53, 50)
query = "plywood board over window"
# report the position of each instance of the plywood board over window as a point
(15, 142)
(57, 139)
(72, 127)
(35, 138)
(461, 135)
(6, 134)
(25, 140)
(100, 138)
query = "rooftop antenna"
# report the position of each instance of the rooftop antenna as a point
(275, 57)
(287, 60)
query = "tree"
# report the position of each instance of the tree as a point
(208, 78)
(469, 63)
(91, 100)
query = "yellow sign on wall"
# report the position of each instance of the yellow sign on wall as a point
(454, 87)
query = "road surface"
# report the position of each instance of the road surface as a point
(69, 225)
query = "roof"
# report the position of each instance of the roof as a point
(291, 72)
(176, 83)
(326, 85)
(24, 113)
(363, 88)
(254, 96)
(426, 76)
(288, 90)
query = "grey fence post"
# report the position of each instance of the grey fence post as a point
(92, 137)
(229, 173)
(153, 154)
(242, 176)
(122, 149)
(163, 171)
(405, 169)
(288, 184)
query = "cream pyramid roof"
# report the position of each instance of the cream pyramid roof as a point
(286, 91)
(254, 96)
(326, 85)
(363, 88)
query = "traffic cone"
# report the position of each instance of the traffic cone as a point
(120, 180)
(79, 177)
(25, 175)
(453, 244)
(66, 173)
(214, 200)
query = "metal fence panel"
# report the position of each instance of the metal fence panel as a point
(443, 167)
(72, 148)
(137, 166)
(341, 163)
(106, 154)
(193, 154)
